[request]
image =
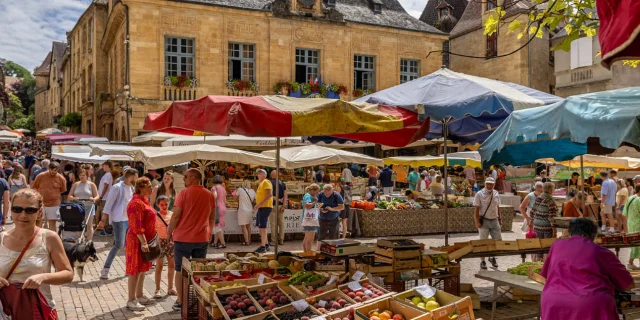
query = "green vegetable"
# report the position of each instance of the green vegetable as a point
(523, 268)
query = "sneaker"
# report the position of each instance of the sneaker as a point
(604, 228)
(493, 262)
(632, 266)
(268, 247)
(612, 230)
(104, 274)
(145, 301)
(483, 265)
(261, 249)
(135, 306)
(177, 306)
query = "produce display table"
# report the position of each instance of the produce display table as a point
(380, 223)
(505, 279)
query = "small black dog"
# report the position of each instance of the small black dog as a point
(79, 253)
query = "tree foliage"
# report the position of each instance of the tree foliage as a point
(71, 120)
(28, 123)
(576, 17)
(26, 92)
(15, 70)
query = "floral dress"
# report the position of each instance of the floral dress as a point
(142, 219)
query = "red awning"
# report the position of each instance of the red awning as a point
(278, 116)
(619, 32)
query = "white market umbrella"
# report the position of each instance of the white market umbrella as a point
(307, 156)
(154, 137)
(23, 130)
(50, 131)
(203, 155)
(8, 134)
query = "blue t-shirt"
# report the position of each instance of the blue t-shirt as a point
(609, 189)
(28, 160)
(331, 201)
(385, 178)
(413, 178)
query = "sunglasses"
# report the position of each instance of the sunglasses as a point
(28, 210)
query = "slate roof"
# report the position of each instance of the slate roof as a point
(393, 14)
(430, 13)
(58, 53)
(43, 69)
(471, 20)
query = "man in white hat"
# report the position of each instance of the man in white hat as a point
(487, 216)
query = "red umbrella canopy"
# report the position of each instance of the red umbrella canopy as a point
(279, 116)
(619, 33)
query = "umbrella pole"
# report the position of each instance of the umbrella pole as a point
(446, 191)
(277, 207)
(584, 199)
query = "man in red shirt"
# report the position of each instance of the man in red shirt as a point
(190, 228)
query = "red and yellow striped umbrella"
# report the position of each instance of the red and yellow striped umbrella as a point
(279, 116)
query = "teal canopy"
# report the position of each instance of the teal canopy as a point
(594, 123)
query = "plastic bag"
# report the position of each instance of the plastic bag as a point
(310, 217)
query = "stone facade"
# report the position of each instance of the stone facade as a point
(529, 67)
(590, 78)
(85, 66)
(275, 38)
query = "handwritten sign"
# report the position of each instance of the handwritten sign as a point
(300, 305)
(261, 278)
(322, 303)
(357, 275)
(236, 273)
(426, 291)
(354, 286)
(332, 280)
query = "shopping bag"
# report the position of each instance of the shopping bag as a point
(310, 217)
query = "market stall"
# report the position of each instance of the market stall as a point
(82, 154)
(257, 143)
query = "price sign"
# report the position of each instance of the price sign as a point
(320, 318)
(354, 286)
(333, 279)
(426, 291)
(261, 278)
(300, 305)
(357, 275)
(236, 273)
(322, 303)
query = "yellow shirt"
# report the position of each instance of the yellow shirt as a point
(264, 191)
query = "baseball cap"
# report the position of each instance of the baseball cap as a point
(490, 180)
(125, 168)
(636, 177)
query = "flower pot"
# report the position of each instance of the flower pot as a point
(295, 94)
(333, 95)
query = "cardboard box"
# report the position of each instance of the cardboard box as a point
(529, 244)
(463, 308)
(507, 245)
(433, 258)
(392, 304)
(397, 253)
(467, 290)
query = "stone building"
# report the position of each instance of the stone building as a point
(49, 79)
(362, 44)
(579, 71)
(531, 66)
(84, 66)
(443, 14)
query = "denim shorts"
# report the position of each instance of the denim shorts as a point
(262, 217)
(188, 250)
(310, 228)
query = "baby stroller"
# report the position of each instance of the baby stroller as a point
(74, 218)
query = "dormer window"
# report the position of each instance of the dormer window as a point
(377, 8)
(491, 4)
(443, 12)
(331, 3)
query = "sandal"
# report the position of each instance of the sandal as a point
(158, 294)
(172, 292)
(245, 244)
(213, 245)
(221, 246)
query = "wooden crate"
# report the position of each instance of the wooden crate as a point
(286, 290)
(529, 244)
(397, 253)
(519, 294)
(391, 303)
(535, 276)
(467, 290)
(442, 297)
(209, 288)
(330, 295)
(406, 264)
(457, 250)
(507, 245)
(311, 310)
(191, 269)
(546, 243)
(433, 258)
(363, 282)
(463, 308)
(236, 290)
(483, 245)
(376, 269)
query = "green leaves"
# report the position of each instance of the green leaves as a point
(71, 120)
(515, 25)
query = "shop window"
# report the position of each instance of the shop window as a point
(242, 61)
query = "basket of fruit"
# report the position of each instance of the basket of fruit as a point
(362, 290)
(270, 296)
(426, 298)
(291, 312)
(319, 286)
(387, 309)
(203, 266)
(342, 314)
(331, 301)
(209, 287)
(236, 303)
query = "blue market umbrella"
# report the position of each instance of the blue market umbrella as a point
(594, 123)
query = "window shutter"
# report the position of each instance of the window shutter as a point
(585, 54)
(574, 54)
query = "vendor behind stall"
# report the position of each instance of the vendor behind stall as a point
(581, 277)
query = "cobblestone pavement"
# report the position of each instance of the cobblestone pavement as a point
(106, 299)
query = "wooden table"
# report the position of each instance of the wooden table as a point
(506, 279)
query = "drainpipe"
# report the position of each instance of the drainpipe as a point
(127, 71)
(528, 63)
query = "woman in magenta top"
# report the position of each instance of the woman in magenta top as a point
(581, 277)
(220, 194)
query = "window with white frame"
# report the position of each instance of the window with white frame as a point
(242, 61)
(179, 54)
(409, 70)
(307, 65)
(581, 52)
(364, 72)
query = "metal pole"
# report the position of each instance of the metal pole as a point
(277, 186)
(446, 191)
(584, 199)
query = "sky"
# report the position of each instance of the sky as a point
(28, 27)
